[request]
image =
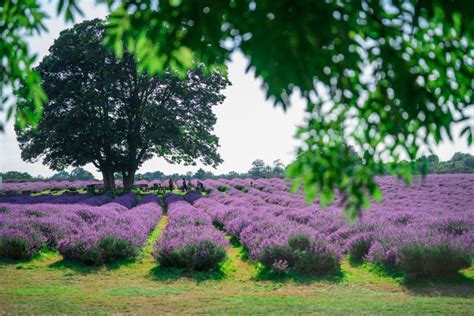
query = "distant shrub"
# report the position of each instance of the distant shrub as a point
(222, 188)
(149, 198)
(241, 188)
(88, 216)
(401, 218)
(34, 214)
(171, 198)
(192, 196)
(452, 225)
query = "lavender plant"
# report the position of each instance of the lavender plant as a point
(189, 240)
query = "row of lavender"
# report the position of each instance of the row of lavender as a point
(70, 198)
(270, 237)
(92, 234)
(189, 240)
(39, 186)
(425, 229)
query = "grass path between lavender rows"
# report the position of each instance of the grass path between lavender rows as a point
(50, 285)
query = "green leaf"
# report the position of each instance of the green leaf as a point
(10, 112)
(377, 194)
(184, 56)
(457, 22)
(175, 3)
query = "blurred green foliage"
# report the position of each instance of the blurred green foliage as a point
(387, 77)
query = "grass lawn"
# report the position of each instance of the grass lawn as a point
(49, 284)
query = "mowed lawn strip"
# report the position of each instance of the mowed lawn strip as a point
(148, 249)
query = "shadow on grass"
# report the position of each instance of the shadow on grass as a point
(84, 268)
(381, 270)
(266, 274)
(11, 262)
(21, 263)
(163, 274)
(459, 285)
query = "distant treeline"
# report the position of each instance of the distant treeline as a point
(459, 163)
(76, 174)
(259, 169)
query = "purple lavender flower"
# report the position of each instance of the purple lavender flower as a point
(189, 240)
(127, 200)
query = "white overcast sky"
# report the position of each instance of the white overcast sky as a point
(249, 127)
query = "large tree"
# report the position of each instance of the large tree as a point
(102, 110)
(258, 168)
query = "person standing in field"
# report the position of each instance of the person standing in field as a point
(184, 187)
(170, 184)
(200, 186)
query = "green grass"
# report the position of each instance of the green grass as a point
(50, 285)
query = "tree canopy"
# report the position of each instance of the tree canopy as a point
(16, 175)
(77, 173)
(387, 77)
(260, 169)
(459, 163)
(102, 110)
(61, 175)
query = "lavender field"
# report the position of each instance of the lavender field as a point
(243, 228)
(73, 185)
(425, 230)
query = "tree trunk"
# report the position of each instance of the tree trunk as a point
(109, 180)
(128, 180)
